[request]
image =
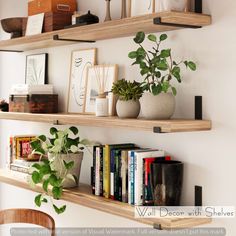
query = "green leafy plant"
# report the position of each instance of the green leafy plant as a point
(157, 65)
(127, 90)
(45, 172)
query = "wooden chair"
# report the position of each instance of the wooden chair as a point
(27, 216)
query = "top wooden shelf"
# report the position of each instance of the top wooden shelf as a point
(107, 30)
(83, 196)
(158, 126)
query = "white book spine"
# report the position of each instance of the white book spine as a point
(138, 173)
(97, 172)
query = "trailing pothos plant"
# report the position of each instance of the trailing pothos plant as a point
(157, 65)
(45, 172)
(126, 90)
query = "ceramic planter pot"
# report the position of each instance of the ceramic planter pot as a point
(128, 109)
(159, 107)
(59, 166)
(171, 5)
(166, 182)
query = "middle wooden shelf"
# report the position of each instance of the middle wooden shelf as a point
(161, 126)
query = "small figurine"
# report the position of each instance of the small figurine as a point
(4, 105)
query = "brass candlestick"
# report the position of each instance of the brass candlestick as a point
(123, 9)
(108, 10)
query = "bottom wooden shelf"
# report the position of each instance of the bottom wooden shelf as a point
(83, 196)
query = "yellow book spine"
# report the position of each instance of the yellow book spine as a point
(106, 171)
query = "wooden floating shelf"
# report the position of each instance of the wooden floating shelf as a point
(83, 196)
(107, 30)
(164, 126)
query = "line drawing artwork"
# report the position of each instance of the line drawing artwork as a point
(81, 60)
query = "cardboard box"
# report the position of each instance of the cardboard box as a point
(35, 103)
(55, 6)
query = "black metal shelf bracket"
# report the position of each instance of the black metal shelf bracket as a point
(158, 21)
(157, 226)
(198, 196)
(158, 130)
(198, 107)
(9, 50)
(56, 122)
(57, 38)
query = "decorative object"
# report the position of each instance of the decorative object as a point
(188, 6)
(171, 5)
(158, 68)
(62, 169)
(80, 61)
(4, 106)
(34, 103)
(34, 24)
(141, 7)
(54, 6)
(99, 82)
(129, 8)
(36, 69)
(108, 10)
(123, 9)
(13, 26)
(101, 105)
(128, 94)
(87, 19)
(166, 182)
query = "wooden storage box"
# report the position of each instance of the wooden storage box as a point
(35, 103)
(41, 6)
(53, 21)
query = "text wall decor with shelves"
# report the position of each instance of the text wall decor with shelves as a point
(157, 22)
(83, 196)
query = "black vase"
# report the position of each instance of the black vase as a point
(166, 182)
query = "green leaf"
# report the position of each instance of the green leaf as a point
(156, 89)
(36, 177)
(141, 52)
(192, 66)
(45, 170)
(42, 138)
(45, 185)
(57, 192)
(54, 181)
(144, 71)
(176, 69)
(68, 165)
(165, 53)
(152, 37)
(59, 210)
(74, 130)
(37, 200)
(132, 55)
(140, 36)
(76, 179)
(162, 65)
(53, 131)
(174, 91)
(36, 166)
(165, 86)
(163, 37)
(44, 200)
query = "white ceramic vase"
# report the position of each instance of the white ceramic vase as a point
(171, 5)
(128, 109)
(59, 166)
(159, 107)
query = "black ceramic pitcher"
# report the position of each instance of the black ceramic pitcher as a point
(166, 182)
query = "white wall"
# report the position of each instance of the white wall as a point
(209, 157)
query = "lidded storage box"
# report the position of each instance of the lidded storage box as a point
(54, 6)
(34, 103)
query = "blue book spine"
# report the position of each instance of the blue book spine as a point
(131, 177)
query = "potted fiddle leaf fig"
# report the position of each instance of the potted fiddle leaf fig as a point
(60, 165)
(159, 70)
(128, 94)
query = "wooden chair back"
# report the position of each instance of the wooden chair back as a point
(27, 216)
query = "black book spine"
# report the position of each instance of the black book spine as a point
(101, 171)
(93, 170)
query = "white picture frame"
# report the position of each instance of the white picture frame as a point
(34, 24)
(36, 69)
(92, 87)
(80, 61)
(141, 7)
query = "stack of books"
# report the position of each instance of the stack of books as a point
(122, 172)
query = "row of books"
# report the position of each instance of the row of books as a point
(19, 151)
(122, 172)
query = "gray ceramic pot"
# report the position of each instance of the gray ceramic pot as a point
(157, 107)
(59, 166)
(128, 109)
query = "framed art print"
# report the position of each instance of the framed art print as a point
(80, 61)
(36, 69)
(108, 74)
